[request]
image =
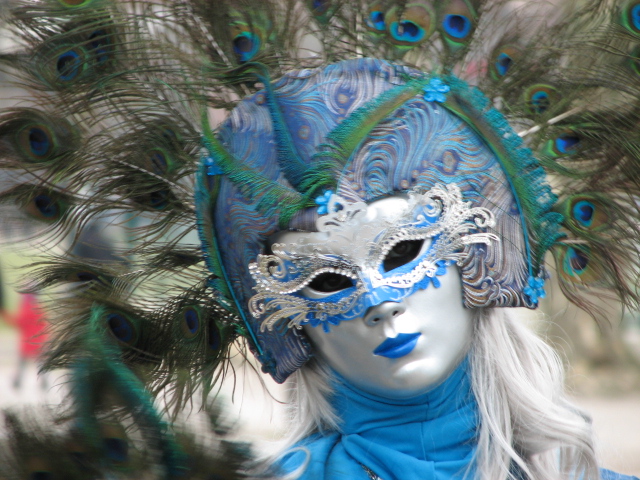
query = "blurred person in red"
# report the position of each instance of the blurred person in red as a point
(29, 320)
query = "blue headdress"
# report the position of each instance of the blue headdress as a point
(378, 129)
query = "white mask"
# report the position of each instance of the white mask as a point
(429, 332)
(380, 280)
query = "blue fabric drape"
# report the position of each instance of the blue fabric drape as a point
(429, 437)
(609, 475)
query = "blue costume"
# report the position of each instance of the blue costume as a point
(430, 437)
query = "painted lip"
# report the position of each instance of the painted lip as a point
(398, 346)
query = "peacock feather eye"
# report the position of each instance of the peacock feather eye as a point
(86, 276)
(322, 10)
(562, 145)
(576, 261)
(457, 23)
(36, 141)
(38, 469)
(122, 328)
(190, 322)
(77, 450)
(577, 264)
(41, 475)
(170, 134)
(539, 98)
(100, 45)
(503, 60)
(375, 21)
(586, 212)
(38, 137)
(583, 212)
(116, 449)
(70, 64)
(320, 7)
(412, 26)
(375, 18)
(248, 34)
(115, 443)
(159, 200)
(159, 161)
(457, 26)
(566, 144)
(630, 17)
(246, 45)
(46, 206)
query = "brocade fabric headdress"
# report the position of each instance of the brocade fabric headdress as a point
(420, 142)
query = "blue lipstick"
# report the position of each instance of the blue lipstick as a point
(398, 346)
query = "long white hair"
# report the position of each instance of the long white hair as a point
(525, 417)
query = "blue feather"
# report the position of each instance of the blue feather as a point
(457, 26)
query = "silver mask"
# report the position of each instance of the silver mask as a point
(361, 257)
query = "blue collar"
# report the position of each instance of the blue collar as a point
(430, 437)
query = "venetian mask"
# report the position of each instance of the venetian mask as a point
(376, 288)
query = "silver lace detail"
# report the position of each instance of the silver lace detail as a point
(348, 243)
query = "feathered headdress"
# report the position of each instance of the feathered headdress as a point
(534, 117)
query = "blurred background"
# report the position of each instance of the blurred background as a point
(602, 361)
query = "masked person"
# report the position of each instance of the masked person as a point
(377, 201)
(393, 288)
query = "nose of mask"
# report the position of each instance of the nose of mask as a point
(383, 312)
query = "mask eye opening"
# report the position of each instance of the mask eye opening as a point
(330, 282)
(402, 253)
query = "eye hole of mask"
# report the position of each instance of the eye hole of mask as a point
(401, 254)
(329, 282)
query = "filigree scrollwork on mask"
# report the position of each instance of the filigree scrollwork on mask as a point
(351, 241)
(441, 215)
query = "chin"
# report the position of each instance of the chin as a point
(420, 376)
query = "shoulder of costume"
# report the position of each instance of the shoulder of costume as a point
(609, 475)
(308, 454)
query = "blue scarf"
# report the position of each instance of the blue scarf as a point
(429, 437)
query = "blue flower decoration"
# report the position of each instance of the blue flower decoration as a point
(323, 202)
(212, 167)
(442, 269)
(535, 290)
(435, 91)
